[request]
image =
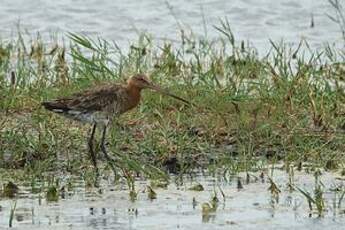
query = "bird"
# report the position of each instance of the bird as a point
(101, 104)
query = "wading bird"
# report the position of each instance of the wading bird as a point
(100, 105)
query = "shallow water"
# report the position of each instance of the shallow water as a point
(247, 208)
(256, 21)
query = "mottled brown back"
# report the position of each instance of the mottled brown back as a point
(107, 98)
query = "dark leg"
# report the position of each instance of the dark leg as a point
(104, 150)
(91, 150)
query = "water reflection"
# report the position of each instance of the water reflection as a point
(19, 217)
(252, 206)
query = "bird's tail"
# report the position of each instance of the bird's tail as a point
(55, 106)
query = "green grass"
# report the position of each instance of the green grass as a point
(250, 110)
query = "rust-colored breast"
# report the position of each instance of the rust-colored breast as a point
(132, 99)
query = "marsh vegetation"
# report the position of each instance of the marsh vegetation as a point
(250, 113)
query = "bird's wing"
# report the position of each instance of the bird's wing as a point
(89, 100)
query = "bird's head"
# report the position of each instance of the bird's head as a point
(141, 81)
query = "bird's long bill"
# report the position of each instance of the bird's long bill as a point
(165, 92)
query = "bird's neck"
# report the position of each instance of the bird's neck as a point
(132, 88)
(134, 95)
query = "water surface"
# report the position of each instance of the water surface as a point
(251, 207)
(251, 20)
